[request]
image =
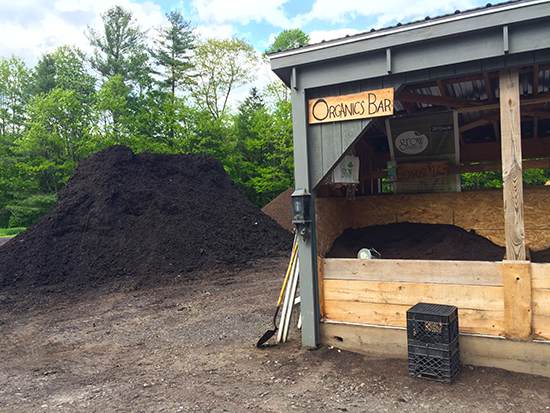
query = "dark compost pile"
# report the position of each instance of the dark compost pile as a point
(406, 240)
(142, 217)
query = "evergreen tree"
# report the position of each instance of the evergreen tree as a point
(172, 52)
(263, 138)
(43, 77)
(120, 50)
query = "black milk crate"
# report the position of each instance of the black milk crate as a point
(434, 364)
(434, 324)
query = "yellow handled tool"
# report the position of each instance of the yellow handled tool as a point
(269, 333)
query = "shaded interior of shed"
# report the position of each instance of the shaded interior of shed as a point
(476, 100)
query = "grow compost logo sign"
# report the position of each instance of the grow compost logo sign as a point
(349, 107)
(411, 142)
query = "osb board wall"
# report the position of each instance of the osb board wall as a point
(478, 210)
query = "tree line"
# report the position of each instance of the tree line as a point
(161, 91)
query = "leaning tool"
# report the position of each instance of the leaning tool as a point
(270, 333)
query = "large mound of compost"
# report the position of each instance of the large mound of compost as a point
(406, 240)
(142, 216)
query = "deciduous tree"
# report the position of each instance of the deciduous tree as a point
(221, 67)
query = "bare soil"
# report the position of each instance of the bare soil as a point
(190, 347)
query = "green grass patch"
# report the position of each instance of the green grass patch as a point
(11, 232)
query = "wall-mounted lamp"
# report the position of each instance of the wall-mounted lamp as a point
(301, 206)
(301, 211)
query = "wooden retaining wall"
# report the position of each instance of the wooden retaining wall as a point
(481, 210)
(506, 300)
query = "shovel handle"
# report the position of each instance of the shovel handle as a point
(288, 271)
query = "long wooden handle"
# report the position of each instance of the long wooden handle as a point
(288, 271)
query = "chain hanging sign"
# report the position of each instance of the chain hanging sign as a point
(374, 103)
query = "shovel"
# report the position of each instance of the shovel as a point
(270, 333)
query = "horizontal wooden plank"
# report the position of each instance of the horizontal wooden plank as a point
(474, 167)
(540, 276)
(541, 327)
(541, 302)
(384, 342)
(414, 271)
(471, 321)
(462, 296)
(514, 355)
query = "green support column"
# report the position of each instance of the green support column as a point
(307, 248)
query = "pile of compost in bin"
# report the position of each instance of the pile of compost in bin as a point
(414, 241)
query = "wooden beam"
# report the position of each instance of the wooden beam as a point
(436, 100)
(512, 165)
(414, 271)
(481, 121)
(542, 113)
(518, 315)
(519, 356)
(320, 280)
(486, 298)
(394, 315)
(536, 71)
(539, 100)
(475, 167)
(488, 88)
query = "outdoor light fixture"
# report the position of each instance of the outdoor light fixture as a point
(301, 206)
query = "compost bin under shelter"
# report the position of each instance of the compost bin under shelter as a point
(416, 105)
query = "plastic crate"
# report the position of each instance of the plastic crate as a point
(434, 364)
(432, 323)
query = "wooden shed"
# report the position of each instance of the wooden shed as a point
(418, 104)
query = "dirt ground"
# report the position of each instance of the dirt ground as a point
(190, 347)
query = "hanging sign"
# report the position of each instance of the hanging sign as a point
(347, 171)
(362, 105)
(417, 171)
(421, 146)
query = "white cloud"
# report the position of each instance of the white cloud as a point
(29, 29)
(216, 31)
(241, 11)
(384, 12)
(317, 36)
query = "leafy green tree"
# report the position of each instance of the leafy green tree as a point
(113, 114)
(14, 95)
(120, 50)
(14, 78)
(71, 74)
(43, 77)
(288, 39)
(221, 67)
(263, 139)
(55, 138)
(64, 69)
(172, 52)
